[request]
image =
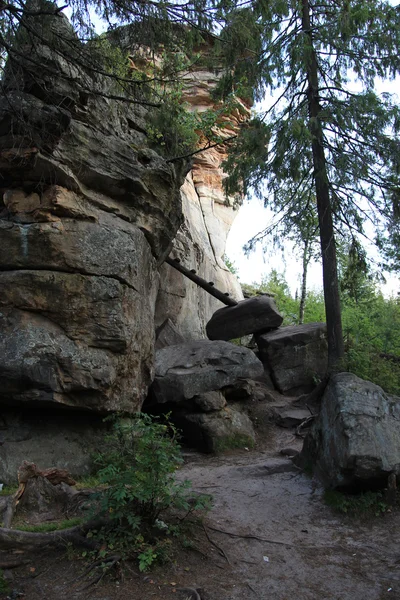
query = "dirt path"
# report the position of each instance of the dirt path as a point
(281, 542)
(304, 551)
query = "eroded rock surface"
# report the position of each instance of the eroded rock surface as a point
(217, 431)
(208, 217)
(252, 315)
(295, 356)
(186, 370)
(355, 441)
(50, 439)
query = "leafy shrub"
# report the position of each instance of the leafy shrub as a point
(4, 587)
(138, 469)
(366, 504)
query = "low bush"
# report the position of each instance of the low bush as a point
(142, 499)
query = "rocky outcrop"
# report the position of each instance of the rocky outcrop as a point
(355, 441)
(295, 356)
(217, 431)
(88, 214)
(208, 216)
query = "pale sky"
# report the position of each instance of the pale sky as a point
(253, 217)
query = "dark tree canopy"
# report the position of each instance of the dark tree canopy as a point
(327, 133)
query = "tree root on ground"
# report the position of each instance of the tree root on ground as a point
(105, 565)
(12, 539)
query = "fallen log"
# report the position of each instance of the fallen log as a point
(27, 540)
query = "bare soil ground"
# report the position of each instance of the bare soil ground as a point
(268, 536)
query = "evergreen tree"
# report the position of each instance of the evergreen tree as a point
(327, 131)
(142, 57)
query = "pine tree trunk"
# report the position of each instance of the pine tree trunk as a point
(306, 260)
(325, 219)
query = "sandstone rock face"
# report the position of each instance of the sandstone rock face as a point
(76, 303)
(248, 316)
(190, 369)
(355, 441)
(88, 211)
(208, 217)
(295, 356)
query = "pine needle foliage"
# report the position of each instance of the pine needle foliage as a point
(328, 142)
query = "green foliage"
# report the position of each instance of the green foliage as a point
(232, 442)
(138, 469)
(172, 128)
(367, 504)
(8, 490)
(53, 526)
(371, 322)
(372, 338)
(318, 138)
(231, 265)
(4, 586)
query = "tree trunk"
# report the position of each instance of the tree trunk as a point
(306, 260)
(325, 219)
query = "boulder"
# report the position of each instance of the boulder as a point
(209, 401)
(217, 431)
(50, 439)
(190, 369)
(292, 417)
(167, 335)
(296, 356)
(355, 441)
(76, 311)
(256, 314)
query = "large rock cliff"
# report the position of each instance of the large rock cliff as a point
(208, 216)
(88, 213)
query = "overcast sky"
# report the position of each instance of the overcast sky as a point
(253, 217)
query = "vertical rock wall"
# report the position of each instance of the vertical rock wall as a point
(87, 213)
(208, 216)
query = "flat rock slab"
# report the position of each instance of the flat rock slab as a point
(292, 417)
(355, 441)
(190, 369)
(252, 315)
(296, 356)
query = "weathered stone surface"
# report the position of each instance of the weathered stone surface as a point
(87, 213)
(209, 401)
(217, 431)
(186, 370)
(87, 144)
(208, 217)
(248, 316)
(167, 335)
(295, 356)
(292, 417)
(77, 302)
(66, 441)
(355, 441)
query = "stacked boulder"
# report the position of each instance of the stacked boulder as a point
(191, 378)
(294, 357)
